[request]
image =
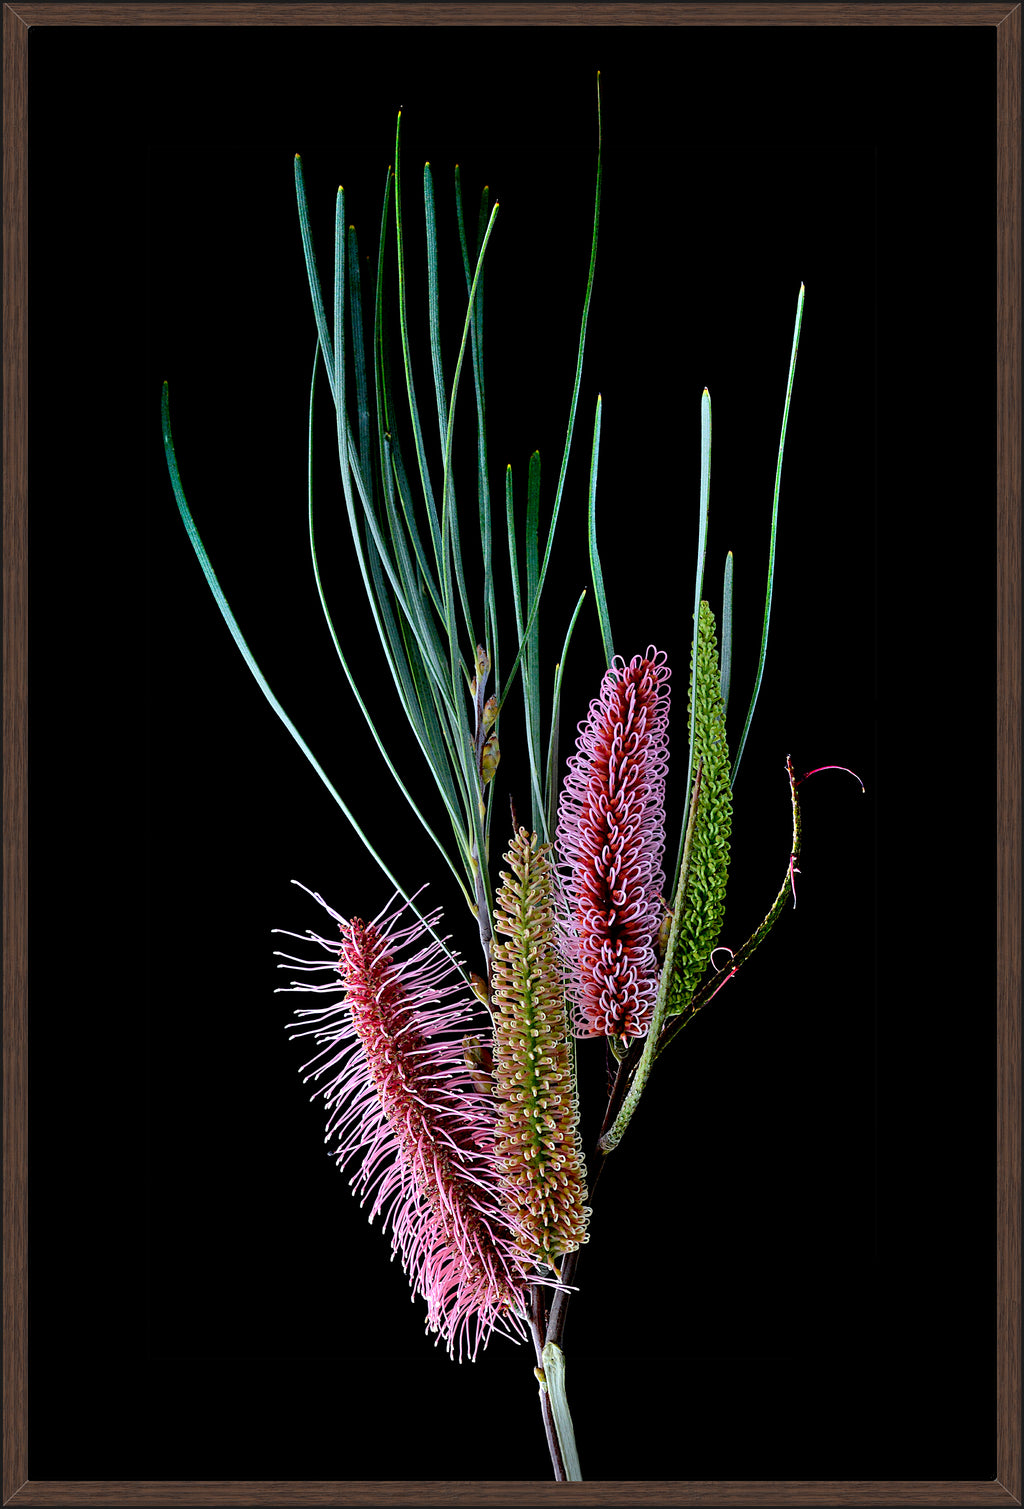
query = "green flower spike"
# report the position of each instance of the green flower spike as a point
(708, 873)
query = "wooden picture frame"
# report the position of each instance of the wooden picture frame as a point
(1001, 23)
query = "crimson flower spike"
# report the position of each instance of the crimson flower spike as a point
(401, 1098)
(611, 839)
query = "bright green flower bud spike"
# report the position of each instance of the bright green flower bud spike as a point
(708, 872)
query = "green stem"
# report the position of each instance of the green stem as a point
(757, 937)
(554, 1387)
(610, 1140)
(546, 1404)
(570, 1263)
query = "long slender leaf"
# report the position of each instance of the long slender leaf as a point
(374, 561)
(513, 557)
(551, 799)
(726, 631)
(595, 559)
(406, 591)
(403, 322)
(338, 385)
(412, 600)
(483, 479)
(334, 362)
(261, 681)
(532, 733)
(438, 744)
(579, 354)
(534, 607)
(771, 543)
(433, 299)
(702, 541)
(450, 548)
(334, 351)
(389, 458)
(438, 725)
(483, 482)
(403, 580)
(311, 272)
(531, 664)
(449, 527)
(359, 350)
(476, 810)
(341, 655)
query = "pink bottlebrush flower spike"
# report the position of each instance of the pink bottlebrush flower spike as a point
(400, 1097)
(611, 838)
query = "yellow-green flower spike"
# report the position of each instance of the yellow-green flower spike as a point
(538, 1148)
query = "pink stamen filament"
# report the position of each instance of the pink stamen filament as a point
(845, 768)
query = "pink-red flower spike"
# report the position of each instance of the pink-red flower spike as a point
(611, 839)
(401, 1099)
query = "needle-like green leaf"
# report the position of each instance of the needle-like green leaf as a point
(359, 351)
(595, 559)
(534, 606)
(319, 312)
(433, 298)
(551, 802)
(334, 352)
(375, 561)
(771, 543)
(403, 321)
(726, 632)
(261, 681)
(531, 661)
(450, 530)
(702, 541)
(483, 483)
(404, 588)
(344, 662)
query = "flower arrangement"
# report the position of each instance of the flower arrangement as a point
(451, 1096)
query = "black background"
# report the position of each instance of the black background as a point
(792, 1263)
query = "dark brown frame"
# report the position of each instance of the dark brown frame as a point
(1006, 1487)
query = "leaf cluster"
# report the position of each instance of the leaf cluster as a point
(408, 523)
